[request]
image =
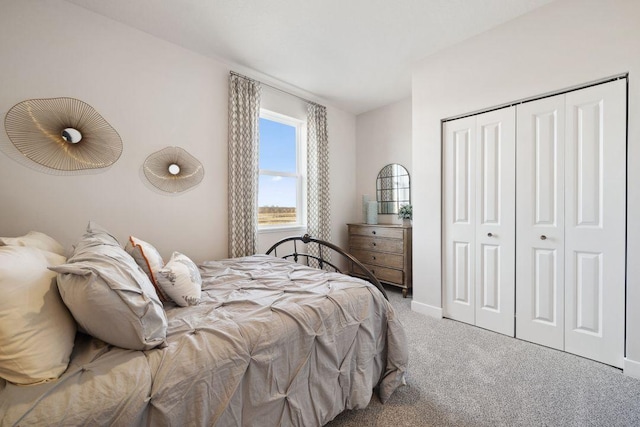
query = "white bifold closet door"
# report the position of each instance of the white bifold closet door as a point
(571, 202)
(479, 220)
(540, 222)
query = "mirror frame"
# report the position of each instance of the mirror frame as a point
(393, 189)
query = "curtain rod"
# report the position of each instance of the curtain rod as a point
(273, 87)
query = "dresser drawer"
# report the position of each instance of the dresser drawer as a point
(378, 258)
(390, 232)
(375, 244)
(385, 249)
(382, 274)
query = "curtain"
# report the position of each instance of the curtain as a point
(318, 203)
(244, 116)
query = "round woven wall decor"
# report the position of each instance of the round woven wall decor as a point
(173, 170)
(62, 134)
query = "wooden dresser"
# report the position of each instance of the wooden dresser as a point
(385, 250)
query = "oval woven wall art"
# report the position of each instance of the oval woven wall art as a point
(63, 134)
(173, 170)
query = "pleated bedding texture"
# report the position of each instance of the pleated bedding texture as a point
(271, 343)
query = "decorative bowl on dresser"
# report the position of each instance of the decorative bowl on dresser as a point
(385, 249)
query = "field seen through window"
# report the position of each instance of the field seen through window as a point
(276, 215)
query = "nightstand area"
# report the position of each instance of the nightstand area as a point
(384, 249)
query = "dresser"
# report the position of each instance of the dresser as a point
(385, 250)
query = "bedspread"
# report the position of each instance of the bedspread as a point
(272, 343)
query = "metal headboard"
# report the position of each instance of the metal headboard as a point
(324, 248)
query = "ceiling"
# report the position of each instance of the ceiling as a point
(355, 54)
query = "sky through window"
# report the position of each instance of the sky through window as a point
(277, 154)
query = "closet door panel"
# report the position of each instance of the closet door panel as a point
(495, 220)
(545, 286)
(540, 222)
(595, 222)
(458, 219)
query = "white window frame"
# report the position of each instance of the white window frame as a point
(300, 174)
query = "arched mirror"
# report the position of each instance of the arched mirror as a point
(393, 188)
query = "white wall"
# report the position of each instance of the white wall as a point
(563, 44)
(155, 94)
(383, 136)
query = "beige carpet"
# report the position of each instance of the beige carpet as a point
(460, 375)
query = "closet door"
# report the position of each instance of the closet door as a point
(571, 202)
(479, 220)
(595, 205)
(540, 222)
(459, 219)
(495, 221)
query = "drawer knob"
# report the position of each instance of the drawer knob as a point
(374, 232)
(374, 243)
(373, 257)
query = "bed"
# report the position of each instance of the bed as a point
(268, 342)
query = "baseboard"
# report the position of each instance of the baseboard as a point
(427, 309)
(631, 368)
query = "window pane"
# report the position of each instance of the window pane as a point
(277, 146)
(277, 200)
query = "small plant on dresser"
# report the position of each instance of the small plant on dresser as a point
(405, 212)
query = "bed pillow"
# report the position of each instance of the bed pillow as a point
(36, 240)
(110, 297)
(149, 260)
(95, 235)
(37, 331)
(181, 280)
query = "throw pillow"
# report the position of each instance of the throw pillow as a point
(149, 259)
(181, 280)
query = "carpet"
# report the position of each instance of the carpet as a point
(461, 375)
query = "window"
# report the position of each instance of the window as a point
(281, 188)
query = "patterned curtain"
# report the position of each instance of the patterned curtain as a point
(244, 115)
(318, 203)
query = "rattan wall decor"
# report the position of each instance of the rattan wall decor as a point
(62, 135)
(173, 170)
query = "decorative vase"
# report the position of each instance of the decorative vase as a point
(372, 212)
(406, 222)
(365, 207)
